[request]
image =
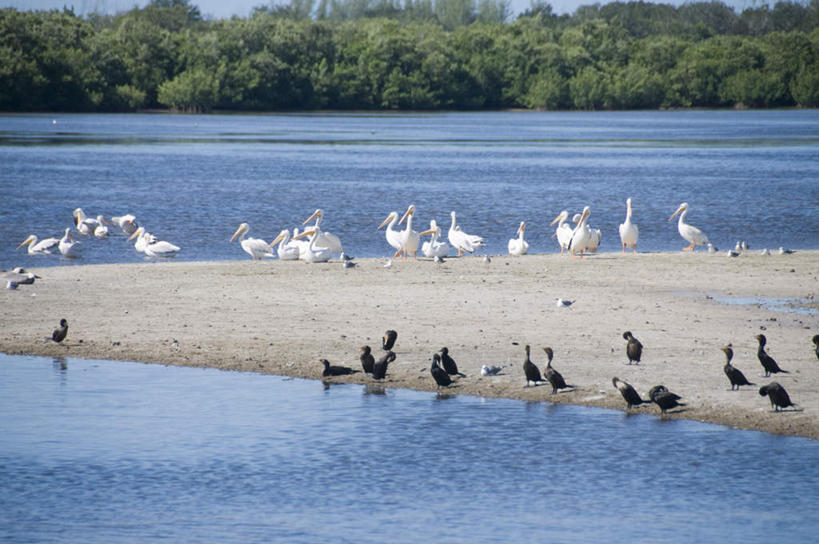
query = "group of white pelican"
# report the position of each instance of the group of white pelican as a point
(321, 246)
(98, 228)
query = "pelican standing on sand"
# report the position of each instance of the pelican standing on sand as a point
(563, 232)
(325, 239)
(434, 247)
(393, 236)
(255, 247)
(409, 238)
(461, 240)
(629, 233)
(689, 232)
(518, 246)
(41, 247)
(581, 239)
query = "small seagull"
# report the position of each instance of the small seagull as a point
(486, 259)
(563, 303)
(345, 257)
(388, 263)
(765, 251)
(738, 247)
(438, 259)
(712, 248)
(783, 251)
(731, 253)
(348, 264)
(11, 285)
(744, 245)
(493, 370)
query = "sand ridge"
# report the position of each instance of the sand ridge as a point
(281, 317)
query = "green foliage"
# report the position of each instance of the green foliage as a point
(412, 54)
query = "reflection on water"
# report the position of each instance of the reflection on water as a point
(100, 451)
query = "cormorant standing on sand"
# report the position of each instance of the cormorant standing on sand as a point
(448, 363)
(628, 392)
(767, 361)
(531, 371)
(380, 367)
(60, 332)
(439, 374)
(553, 375)
(736, 377)
(816, 343)
(634, 349)
(778, 396)
(665, 399)
(335, 370)
(388, 341)
(367, 359)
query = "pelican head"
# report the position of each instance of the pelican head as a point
(522, 227)
(318, 214)
(576, 218)
(137, 233)
(243, 228)
(585, 215)
(30, 240)
(282, 235)
(562, 215)
(683, 208)
(79, 216)
(391, 217)
(410, 211)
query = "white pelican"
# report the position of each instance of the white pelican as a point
(255, 247)
(519, 246)
(434, 247)
(39, 248)
(629, 233)
(152, 247)
(326, 239)
(393, 236)
(563, 231)
(581, 235)
(461, 240)
(101, 230)
(126, 222)
(85, 225)
(689, 232)
(409, 238)
(288, 249)
(315, 254)
(67, 244)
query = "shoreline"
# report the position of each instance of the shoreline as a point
(280, 317)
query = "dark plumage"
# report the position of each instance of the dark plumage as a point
(439, 374)
(665, 399)
(628, 392)
(367, 359)
(60, 332)
(531, 371)
(448, 363)
(634, 349)
(816, 343)
(388, 341)
(767, 361)
(553, 375)
(778, 396)
(380, 366)
(330, 370)
(736, 377)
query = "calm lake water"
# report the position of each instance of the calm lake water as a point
(191, 180)
(101, 451)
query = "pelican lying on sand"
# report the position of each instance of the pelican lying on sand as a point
(255, 247)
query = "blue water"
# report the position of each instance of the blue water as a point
(101, 451)
(751, 175)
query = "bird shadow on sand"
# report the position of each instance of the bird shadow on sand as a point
(786, 410)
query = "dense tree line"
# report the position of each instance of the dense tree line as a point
(418, 54)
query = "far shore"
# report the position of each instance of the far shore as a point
(281, 317)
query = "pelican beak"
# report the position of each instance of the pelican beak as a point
(387, 220)
(239, 231)
(136, 233)
(522, 226)
(26, 242)
(430, 231)
(410, 211)
(675, 213)
(556, 219)
(278, 239)
(315, 214)
(301, 235)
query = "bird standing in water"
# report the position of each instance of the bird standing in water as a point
(60, 332)
(736, 377)
(634, 349)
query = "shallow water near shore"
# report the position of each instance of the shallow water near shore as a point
(102, 451)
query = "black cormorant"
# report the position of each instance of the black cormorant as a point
(634, 349)
(736, 377)
(553, 375)
(388, 341)
(448, 363)
(628, 392)
(367, 359)
(60, 332)
(778, 396)
(335, 370)
(767, 361)
(816, 343)
(531, 371)
(665, 399)
(380, 366)
(439, 374)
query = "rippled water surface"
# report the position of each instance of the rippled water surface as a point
(747, 175)
(101, 451)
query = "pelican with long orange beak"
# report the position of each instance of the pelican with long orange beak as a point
(288, 250)
(461, 240)
(313, 253)
(689, 232)
(563, 233)
(43, 247)
(518, 246)
(325, 239)
(409, 238)
(255, 247)
(393, 236)
(581, 239)
(434, 247)
(629, 233)
(151, 246)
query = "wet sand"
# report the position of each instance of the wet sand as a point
(281, 317)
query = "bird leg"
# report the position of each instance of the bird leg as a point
(689, 248)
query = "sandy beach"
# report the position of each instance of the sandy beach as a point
(282, 317)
